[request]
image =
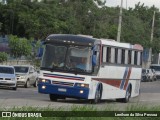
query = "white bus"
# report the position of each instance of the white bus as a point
(83, 67)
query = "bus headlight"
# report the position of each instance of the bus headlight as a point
(44, 80)
(81, 91)
(82, 85)
(43, 87)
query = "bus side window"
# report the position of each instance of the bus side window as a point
(116, 55)
(108, 54)
(123, 56)
(129, 56)
(135, 57)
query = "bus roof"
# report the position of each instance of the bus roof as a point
(71, 39)
(110, 42)
(88, 40)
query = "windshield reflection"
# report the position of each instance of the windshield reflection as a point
(75, 59)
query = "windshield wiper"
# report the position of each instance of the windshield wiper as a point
(54, 67)
(76, 70)
(45, 68)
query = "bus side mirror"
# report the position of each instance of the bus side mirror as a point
(94, 61)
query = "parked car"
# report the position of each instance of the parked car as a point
(154, 75)
(156, 67)
(26, 75)
(7, 77)
(147, 75)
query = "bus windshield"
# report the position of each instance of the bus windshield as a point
(75, 59)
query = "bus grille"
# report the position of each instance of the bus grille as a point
(62, 83)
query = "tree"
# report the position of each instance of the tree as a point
(0, 25)
(3, 56)
(19, 46)
(90, 17)
(36, 46)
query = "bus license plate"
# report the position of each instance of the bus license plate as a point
(62, 90)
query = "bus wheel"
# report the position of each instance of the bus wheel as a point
(127, 96)
(53, 97)
(97, 97)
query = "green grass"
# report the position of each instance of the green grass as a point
(84, 110)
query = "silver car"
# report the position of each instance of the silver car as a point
(156, 67)
(26, 75)
(147, 75)
(8, 77)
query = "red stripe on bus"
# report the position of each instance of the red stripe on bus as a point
(115, 83)
(128, 76)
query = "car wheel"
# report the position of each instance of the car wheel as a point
(35, 83)
(14, 88)
(27, 84)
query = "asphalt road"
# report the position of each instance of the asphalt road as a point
(150, 96)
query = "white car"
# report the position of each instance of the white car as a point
(147, 75)
(26, 75)
(156, 67)
(7, 77)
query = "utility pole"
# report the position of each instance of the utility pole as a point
(126, 5)
(152, 32)
(120, 23)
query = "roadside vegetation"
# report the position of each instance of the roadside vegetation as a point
(3, 57)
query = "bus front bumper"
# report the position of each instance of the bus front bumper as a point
(65, 91)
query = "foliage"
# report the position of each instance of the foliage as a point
(39, 19)
(35, 47)
(19, 46)
(3, 56)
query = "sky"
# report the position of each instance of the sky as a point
(131, 3)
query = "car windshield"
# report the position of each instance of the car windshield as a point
(68, 59)
(19, 69)
(156, 68)
(6, 70)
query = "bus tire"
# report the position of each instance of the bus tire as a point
(53, 97)
(97, 95)
(127, 96)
